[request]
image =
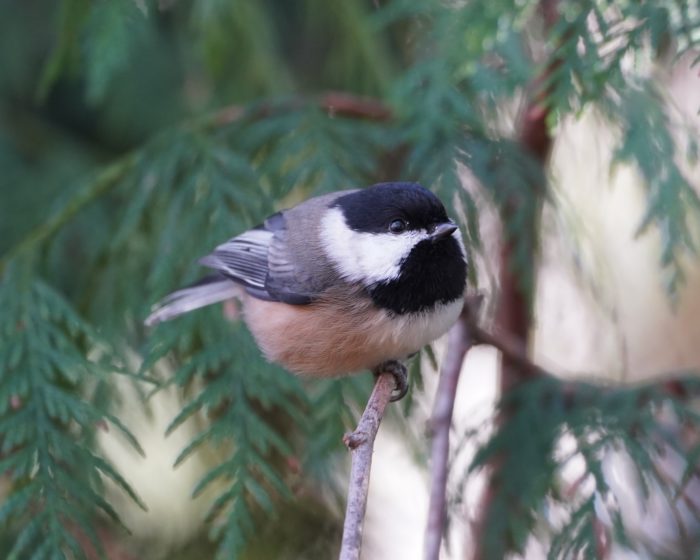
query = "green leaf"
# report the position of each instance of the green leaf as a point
(71, 16)
(112, 34)
(46, 434)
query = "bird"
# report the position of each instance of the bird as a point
(347, 281)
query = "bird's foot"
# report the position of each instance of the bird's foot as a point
(400, 374)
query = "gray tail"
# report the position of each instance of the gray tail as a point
(208, 290)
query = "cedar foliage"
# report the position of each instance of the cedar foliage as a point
(135, 135)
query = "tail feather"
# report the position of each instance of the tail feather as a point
(208, 290)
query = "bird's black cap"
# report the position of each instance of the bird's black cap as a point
(432, 273)
(372, 209)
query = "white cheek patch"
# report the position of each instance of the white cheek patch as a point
(458, 237)
(365, 257)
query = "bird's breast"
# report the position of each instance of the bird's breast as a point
(339, 334)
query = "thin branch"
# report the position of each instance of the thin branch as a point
(458, 344)
(361, 445)
(355, 106)
(334, 103)
(510, 347)
(463, 335)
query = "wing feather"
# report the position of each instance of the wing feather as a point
(261, 261)
(243, 258)
(271, 263)
(274, 263)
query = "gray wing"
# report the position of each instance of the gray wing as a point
(261, 260)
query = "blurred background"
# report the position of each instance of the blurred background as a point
(135, 135)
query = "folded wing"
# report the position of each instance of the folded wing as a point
(261, 260)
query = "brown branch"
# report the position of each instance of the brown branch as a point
(514, 311)
(354, 106)
(334, 103)
(361, 445)
(458, 344)
(602, 539)
(512, 350)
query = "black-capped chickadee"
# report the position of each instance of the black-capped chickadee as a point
(341, 282)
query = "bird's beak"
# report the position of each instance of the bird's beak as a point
(442, 231)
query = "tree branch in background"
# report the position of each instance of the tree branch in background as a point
(460, 340)
(334, 103)
(514, 311)
(511, 349)
(361, 445)
(355, 106)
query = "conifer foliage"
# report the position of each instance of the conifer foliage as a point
(135, 135)
(48, 422)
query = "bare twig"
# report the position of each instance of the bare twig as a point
(361, 445)
(459, 343)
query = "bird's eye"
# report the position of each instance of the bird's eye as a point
(397, 226)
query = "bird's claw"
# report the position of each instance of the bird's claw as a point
(400, 374)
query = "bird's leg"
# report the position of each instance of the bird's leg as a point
(400, 374)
